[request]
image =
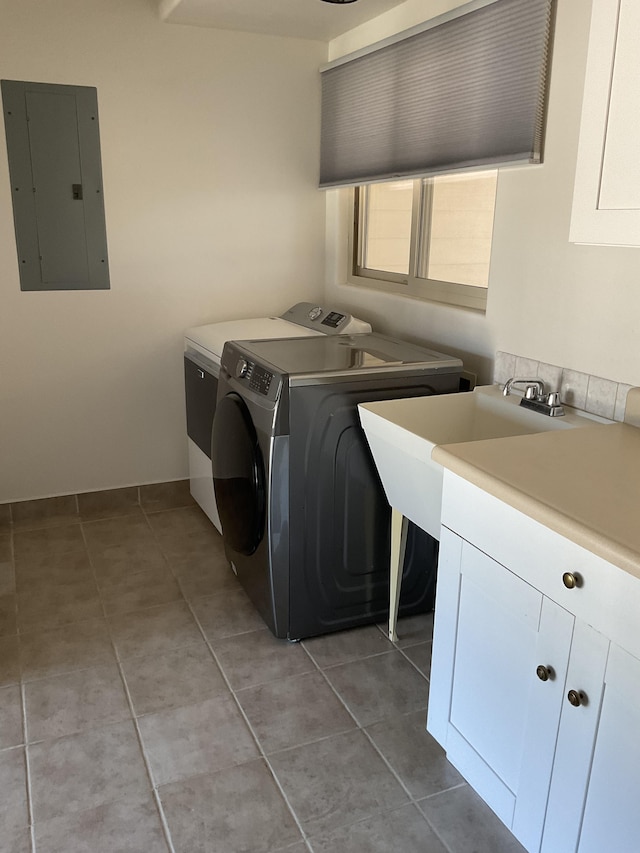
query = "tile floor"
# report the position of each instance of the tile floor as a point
(145, 707)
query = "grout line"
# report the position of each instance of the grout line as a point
(249, 725)
(143, 751)
(25, 736)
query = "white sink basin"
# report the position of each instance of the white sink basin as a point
(402, 433)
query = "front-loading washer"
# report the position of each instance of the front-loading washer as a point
(304, 516)
(203, 347)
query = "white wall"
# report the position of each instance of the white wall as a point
(574, 306)
(210, 158)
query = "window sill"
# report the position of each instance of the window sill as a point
(442, 292)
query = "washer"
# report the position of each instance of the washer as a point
(304, 515)
(203, 348)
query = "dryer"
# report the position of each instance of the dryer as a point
(304, 515)
(202, 351)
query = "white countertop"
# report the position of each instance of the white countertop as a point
(582, 483)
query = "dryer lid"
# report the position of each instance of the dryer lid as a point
(314, 359)
(212, 338)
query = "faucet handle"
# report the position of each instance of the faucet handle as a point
(531, 392)
(553, 399)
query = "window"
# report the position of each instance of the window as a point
(429, 238)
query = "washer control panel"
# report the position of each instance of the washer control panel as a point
(325, 320)
(334, 319)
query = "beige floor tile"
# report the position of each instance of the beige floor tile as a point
(10, 717)
(154, 631)
(5, 519)
(9, 661)
(139, 590)
(13, 785)
(49, 606)
(403, 829)
(203, 575)
(336, 781)
(112, 503)
(257, 658)
(59, 650)
(45, 512)
(420, 656)
(226, 614)
(48, 570)
(414, 629)
(7, 578)
(184, 533)
(294, 711)
(378, 687)
(466, 824)
(8, 615)
(16, 842)
(344, 646)
(66, 704)
(180, 522)
(84, 771)
(162, 496)
(114, 563)
(50, 542)
(415, 756)
(127, 530)
(126, 826)
(176, 678)
(6, 550)
(196, 739)
(198, 812)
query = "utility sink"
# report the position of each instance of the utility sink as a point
(402, 433)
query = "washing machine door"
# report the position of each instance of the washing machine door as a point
(238, 475)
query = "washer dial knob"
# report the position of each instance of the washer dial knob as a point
(315, 312)
(242, 367)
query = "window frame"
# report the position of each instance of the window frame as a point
(414, 284)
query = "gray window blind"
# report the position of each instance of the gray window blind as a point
(466, 92)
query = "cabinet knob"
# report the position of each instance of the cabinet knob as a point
(545, 673)
(571, 580)
(576, 698)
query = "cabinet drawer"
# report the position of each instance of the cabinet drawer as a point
(607, 597)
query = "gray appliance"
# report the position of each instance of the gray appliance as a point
(203, 347)
(304, 517)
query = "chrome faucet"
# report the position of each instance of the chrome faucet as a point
(536, 384)
(535, 396)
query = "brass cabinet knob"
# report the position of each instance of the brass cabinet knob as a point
(571, 580)
(545, 673)
(576, 698)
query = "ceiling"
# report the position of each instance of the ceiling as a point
(307, 19)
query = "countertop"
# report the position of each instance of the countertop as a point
(582, 483)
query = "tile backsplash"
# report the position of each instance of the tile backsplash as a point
(592, 394)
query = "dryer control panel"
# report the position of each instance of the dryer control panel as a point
(257, 378)
(249, 374)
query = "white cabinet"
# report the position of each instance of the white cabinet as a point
(611, 816)
(606, 202)
(511, 645)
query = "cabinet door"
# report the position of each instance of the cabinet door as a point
(606, 201)
(543, 718)
(576, 737)
(504, 629)
(612, 817)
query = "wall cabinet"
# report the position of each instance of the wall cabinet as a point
(530, 696)
(606, 202)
